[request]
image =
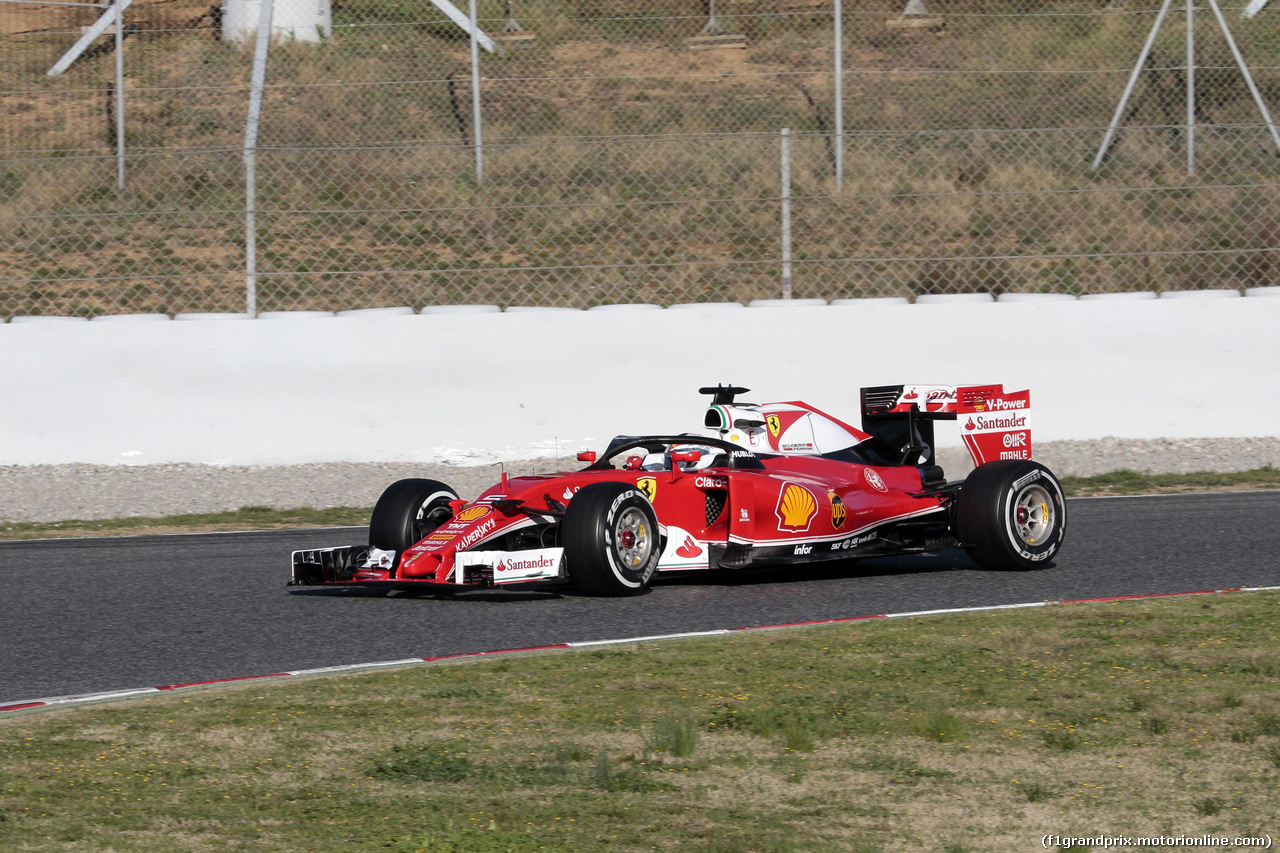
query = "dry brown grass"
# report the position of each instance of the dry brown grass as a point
(602, 183)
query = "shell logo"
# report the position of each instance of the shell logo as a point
(796, 507)
(473, 513)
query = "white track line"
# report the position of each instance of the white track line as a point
(36, 704)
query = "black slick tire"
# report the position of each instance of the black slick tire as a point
(1011, 515)
(407, 511)
(611, 539)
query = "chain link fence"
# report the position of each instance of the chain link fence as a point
(632, 153)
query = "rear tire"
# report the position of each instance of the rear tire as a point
(1011, 515)
(611, 540)
(407, 511)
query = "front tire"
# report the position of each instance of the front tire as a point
(407, 511)
(611, 540)
(1011, 515)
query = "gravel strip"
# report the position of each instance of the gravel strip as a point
(41, 493)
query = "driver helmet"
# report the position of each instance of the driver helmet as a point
(707, 459)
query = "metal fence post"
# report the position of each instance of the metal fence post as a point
(475, 95)
(839, 97)
(1191, 87)
(1128, 89)
(258, 81)
(114, 13)
(786, 213)
(120, 98)
(1244, 71)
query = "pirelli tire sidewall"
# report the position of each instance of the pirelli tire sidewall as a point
(400, 518)
(590, 535)
(988, 521)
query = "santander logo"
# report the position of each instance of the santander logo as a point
(689, 549)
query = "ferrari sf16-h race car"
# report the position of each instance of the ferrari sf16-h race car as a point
(764, 485)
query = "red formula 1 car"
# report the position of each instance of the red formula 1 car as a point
(766, 484)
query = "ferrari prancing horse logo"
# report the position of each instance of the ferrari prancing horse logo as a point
(648, 485)
(775, 424)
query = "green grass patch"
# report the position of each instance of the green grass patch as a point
(818, 739)
(1126, 482)
(245, 518)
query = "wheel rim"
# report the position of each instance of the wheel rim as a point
(633, 539)
(428, 518)
(1033, 515)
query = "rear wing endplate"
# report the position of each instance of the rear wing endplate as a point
(994, 423)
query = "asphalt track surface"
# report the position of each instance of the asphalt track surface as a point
(93, 615)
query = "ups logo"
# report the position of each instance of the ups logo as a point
(838, 511)
(649, 486)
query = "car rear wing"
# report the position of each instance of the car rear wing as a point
(994, 423)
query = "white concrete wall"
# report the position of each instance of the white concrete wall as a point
(299, 20)
(476, 386)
